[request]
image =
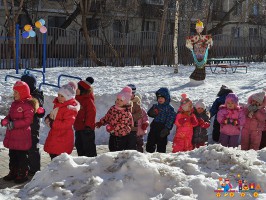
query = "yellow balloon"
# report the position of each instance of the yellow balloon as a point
(27, 27)
(38, 24)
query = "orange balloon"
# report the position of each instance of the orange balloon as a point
(27, 27)
(38, 24)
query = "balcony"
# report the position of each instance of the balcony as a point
(257, 19)
(219, 15)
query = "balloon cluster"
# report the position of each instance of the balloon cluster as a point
(29, 32)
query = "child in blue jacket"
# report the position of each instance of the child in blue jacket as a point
(164, 117)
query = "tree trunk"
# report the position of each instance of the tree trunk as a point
(175, 45)
(158, 55)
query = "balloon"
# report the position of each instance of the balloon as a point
(25, 34)
(38, 24)
(27, 27)
(43, 29)
(42, 22)
(32, 33)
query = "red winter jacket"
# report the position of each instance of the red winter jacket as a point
(21, 114)
(61, 136)
(87, 113)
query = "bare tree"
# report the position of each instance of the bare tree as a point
(175, 45)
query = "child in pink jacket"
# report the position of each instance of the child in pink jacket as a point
(231, 118)
(119, 121)
(185, 121)
(143, 124)
(255, 112)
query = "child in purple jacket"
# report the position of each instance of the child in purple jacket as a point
(255, 112)
(231, 118)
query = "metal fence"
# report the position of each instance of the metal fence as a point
(68, 48)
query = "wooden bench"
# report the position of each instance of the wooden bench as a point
(224, 64)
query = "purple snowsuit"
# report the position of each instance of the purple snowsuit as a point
(230, 130)
(252, 131)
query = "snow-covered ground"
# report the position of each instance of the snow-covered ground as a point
(132, 175)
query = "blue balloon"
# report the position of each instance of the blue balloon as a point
(42, 21)
(32, 33)
(25, 34)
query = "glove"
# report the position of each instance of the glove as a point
(48, 121)
(164, 133)
(10, 125)
(201, 121)
(98, 124)
(183, 120)
(40, 110)
(205, 125)
(4, 122)
(153, 112)
(144, 126)
(109, 128)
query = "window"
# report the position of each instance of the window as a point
(55, 21)
(253, 32)
(255, 9)
(197, 4)
(238, 9)
(93, 27)
(149, 26)
(16, 3)
(218, 5)
(120, 26)
(235, 32)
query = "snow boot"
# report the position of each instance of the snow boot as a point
(11, 175)
(22, 176)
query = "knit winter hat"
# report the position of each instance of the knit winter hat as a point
(30, 80)
(233, 97)
(85, 84)
(185, 101)
(68, 90)
(259, 97)
(23, 89)
(200, 104)
(125, 94)
(133, 87)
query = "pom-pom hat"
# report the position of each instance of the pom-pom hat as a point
(185, 102)
(259, 97)
(68, 90)
(23, 89)
(85, 84)
(232, 97)
(200, 104)
(133, 87)
(125, 95)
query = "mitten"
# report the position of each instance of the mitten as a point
(4, 122)
(201, 121)
(252, 108)
(144, 126)
(40, 110)
(109, 128)
(153, 112)
(183, 120)
(98, 124)
(10, 125)
(164, 133)
(205, 125)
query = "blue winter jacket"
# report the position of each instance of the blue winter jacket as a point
(216, 104)
(166, 114)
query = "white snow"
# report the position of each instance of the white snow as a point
(133, 175)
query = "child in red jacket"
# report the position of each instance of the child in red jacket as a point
(85, 121)
(61, 119)
(185, 121)
(18, 133)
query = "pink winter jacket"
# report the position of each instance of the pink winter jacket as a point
(235, 114)
(21, 114)
(257, 122)
(143, 120)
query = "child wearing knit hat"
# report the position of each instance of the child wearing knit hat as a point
(61, 120)
(185, 121)
(18, 133)
(85, 121)
(118, 121)
(231, 118)
(200, 134)
(255, 112)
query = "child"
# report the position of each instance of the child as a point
(224, 91)
(136, 114)
(119, 121)
(61, 119)
(143, 124)
(200, 134)
(185, 121)
(231, 118)
(164, 116)
(34, 154)
(18, 133)
(263, 136)
(85, 120)
(255, 113)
